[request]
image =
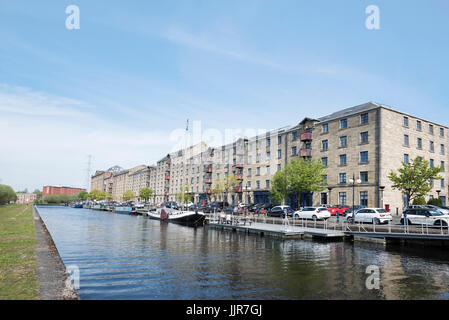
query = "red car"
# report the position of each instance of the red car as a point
(340, 209)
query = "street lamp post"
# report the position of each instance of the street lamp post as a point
(382, 195)
(353, 182)
(438, 193)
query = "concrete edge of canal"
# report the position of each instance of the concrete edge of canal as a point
(54, 281)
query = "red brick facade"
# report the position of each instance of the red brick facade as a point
(46, 190)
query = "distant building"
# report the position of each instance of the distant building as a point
(47, 190)
(25, 198)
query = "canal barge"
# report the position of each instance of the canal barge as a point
(125, 209)
(192, 218)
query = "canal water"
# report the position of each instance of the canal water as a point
(127, 257)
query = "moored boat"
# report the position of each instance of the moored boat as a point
(125, 209)
(192, 218)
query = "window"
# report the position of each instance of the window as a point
(294, 135)
(250, 147)
(364, 118)
(343, 141)
(325, 179)
(442, 165)
(258, 171)
(279, 153)
(324, 161)
(279, 166)
(250, 159)
(406, 140)
(279, 139)
(364, 176)
(364, 198)
(364, 156)
(405, 121)
(430, 129)
(324, 145)
(431, 146)
(268, 169)
(406, 158)
(294, 151)
(267, 184)
(364, 137)
(419, 142)
(343, 123)
(258, 184)
(249, 172)
(268, 142)
(441, 148)
(431, 163)
(258, 157)
(248, 184)
(325, 128)
(418, 125)
(441, 132)
(442, 183)
(342, 198)
(268, 155)
(342, 159)
(342, 178)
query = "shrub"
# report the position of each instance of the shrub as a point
(419, 201)
(435, 202)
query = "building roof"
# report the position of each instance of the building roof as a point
(349, 111)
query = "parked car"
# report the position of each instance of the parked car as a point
(340, 209)
(231, 209)
(441, 209)
(280, 211)
(426, 216)
(372, 215)
(195, 207)
(356, 208)
(314, 213)
(170, 204)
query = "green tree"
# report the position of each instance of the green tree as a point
(414, 178)
(83, 195)
(146, 193)
(420, 201)
(7, 194)
(94, 194)
(229, 183)
(187, 196)
(279, 187)
(128, 195)
(305, 175)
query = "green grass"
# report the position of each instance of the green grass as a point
(18, 277)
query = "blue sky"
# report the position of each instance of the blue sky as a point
(136, 70)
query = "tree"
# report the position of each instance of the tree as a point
(229, 183)
(83, 195)
(128, 195)
(279, 187)
(420, 201)
(7, 194)
(187, 196)
(217, 189)
(435, 202)
(146, 193)
(414, 179)
(305, 175)
(94, 194)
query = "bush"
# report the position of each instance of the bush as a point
(419, 201)
(435, 202)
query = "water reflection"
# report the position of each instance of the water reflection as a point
(127, 257)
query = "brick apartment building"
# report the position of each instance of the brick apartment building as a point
(47, 190)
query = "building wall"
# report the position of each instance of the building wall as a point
(27, 198)
(47, 190)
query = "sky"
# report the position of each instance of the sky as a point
(121, 87)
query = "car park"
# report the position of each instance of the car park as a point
(370, 215)
(280, 211)
(313, 213)
(424, 216)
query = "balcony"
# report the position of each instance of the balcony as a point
(208, 191)
(167, 177)
(305, 152)
(238, 189)
(306, 136)
(208, 169)
(238, 165)
(208, 180)
(239, 176)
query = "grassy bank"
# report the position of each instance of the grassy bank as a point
(18, 277)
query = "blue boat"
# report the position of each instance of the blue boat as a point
(126, 209)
